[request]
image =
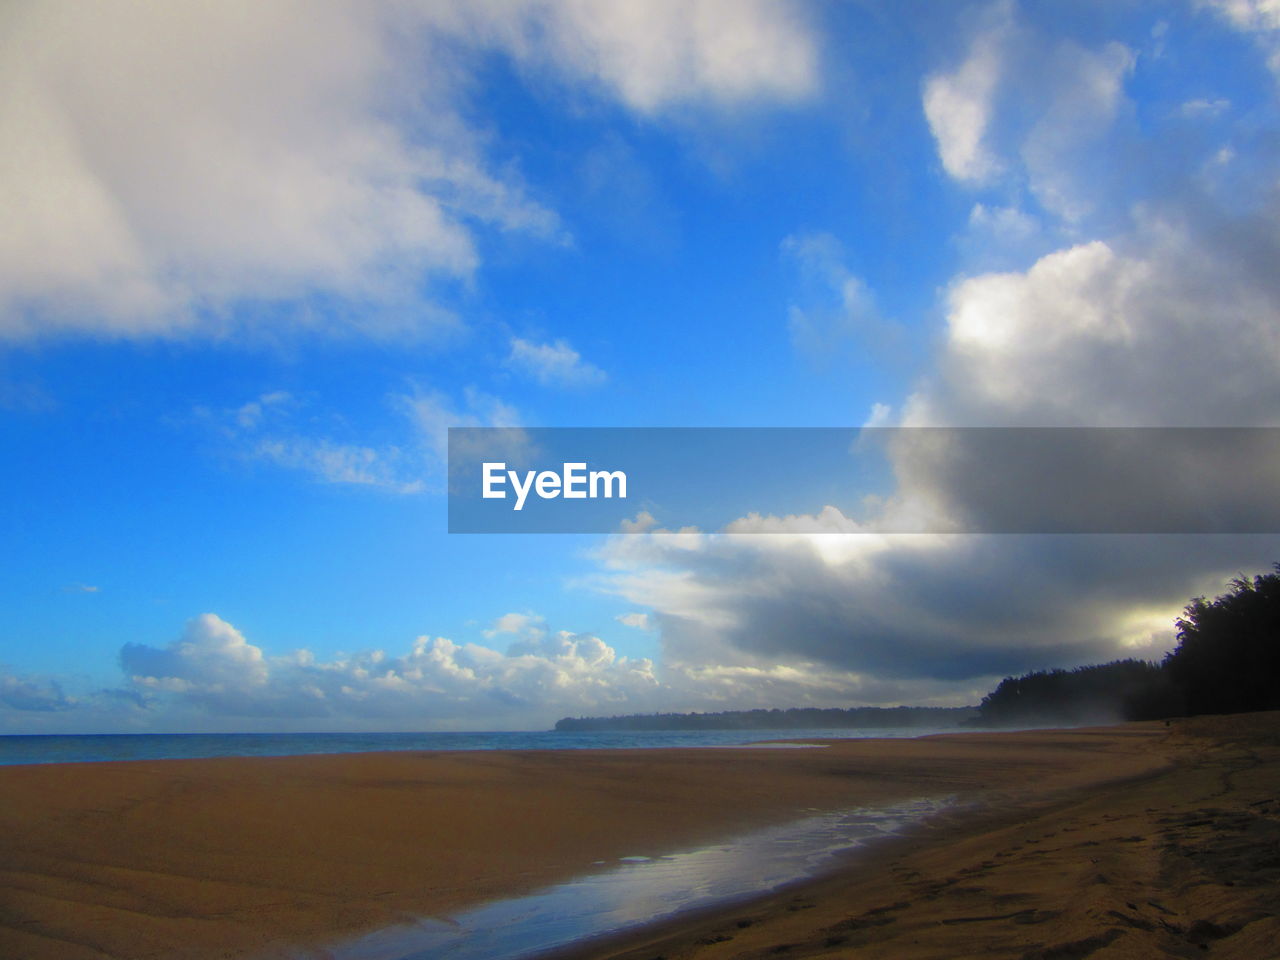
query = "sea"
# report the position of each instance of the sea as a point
(107, 747)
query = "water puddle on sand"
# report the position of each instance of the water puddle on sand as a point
(635, 890)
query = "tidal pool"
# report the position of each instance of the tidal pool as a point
(635, 890)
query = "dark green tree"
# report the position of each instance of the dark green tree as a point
(1228, 654)
(1102, 693)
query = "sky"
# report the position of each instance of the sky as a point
(256, 259)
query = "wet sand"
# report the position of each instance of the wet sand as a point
(1183, 861)
(258, 857)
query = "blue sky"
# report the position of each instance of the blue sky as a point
(257, 260)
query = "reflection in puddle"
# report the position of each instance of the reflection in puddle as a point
(636, 890)
(776, 745)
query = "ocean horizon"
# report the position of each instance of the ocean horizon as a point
(18, 749)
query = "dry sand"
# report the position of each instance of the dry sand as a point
(1133, 841)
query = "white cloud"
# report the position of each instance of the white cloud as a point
(665, 53)
(1176, 323)
(553, 364)
(162, 163)
(959, 107)
(881, 415)
(518, 624)
(1028, 111)
(1003, 225)
(1170, 319)
(163, 166)
(1261, 18)
(433, 413)
(1137, 332)
(1220, 159)
(1089, 336)
(288, 432)
(214, 669)
(277, 428)
(213, 678)
(826, 521)
(644, 521)
(638, 621)
(212, 656)
(1248, 14)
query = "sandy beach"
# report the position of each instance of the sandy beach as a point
(1182, 860)
(1129, 841)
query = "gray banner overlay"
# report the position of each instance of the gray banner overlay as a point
(872, 480)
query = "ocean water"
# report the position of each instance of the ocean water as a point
(60, 748)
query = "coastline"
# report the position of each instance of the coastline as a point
(261, 857)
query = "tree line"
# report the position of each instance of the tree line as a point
(1227, 660)
(797, 718)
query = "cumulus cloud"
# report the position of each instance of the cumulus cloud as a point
(1159, 328)
(213, 677)
(211, 655)
(1176, 333)
(214, 669)
(1169, 325)
(1173, 324)
(1163, 312)
(162, 164)
(162, 168)
(553, 364)
(638, 621)
(936, 615)
(1152, 303)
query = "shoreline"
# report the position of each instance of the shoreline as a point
(641, 892)
(1049, 878)
(29, 748)
(261, 857)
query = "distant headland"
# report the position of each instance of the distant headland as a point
(797, 718)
